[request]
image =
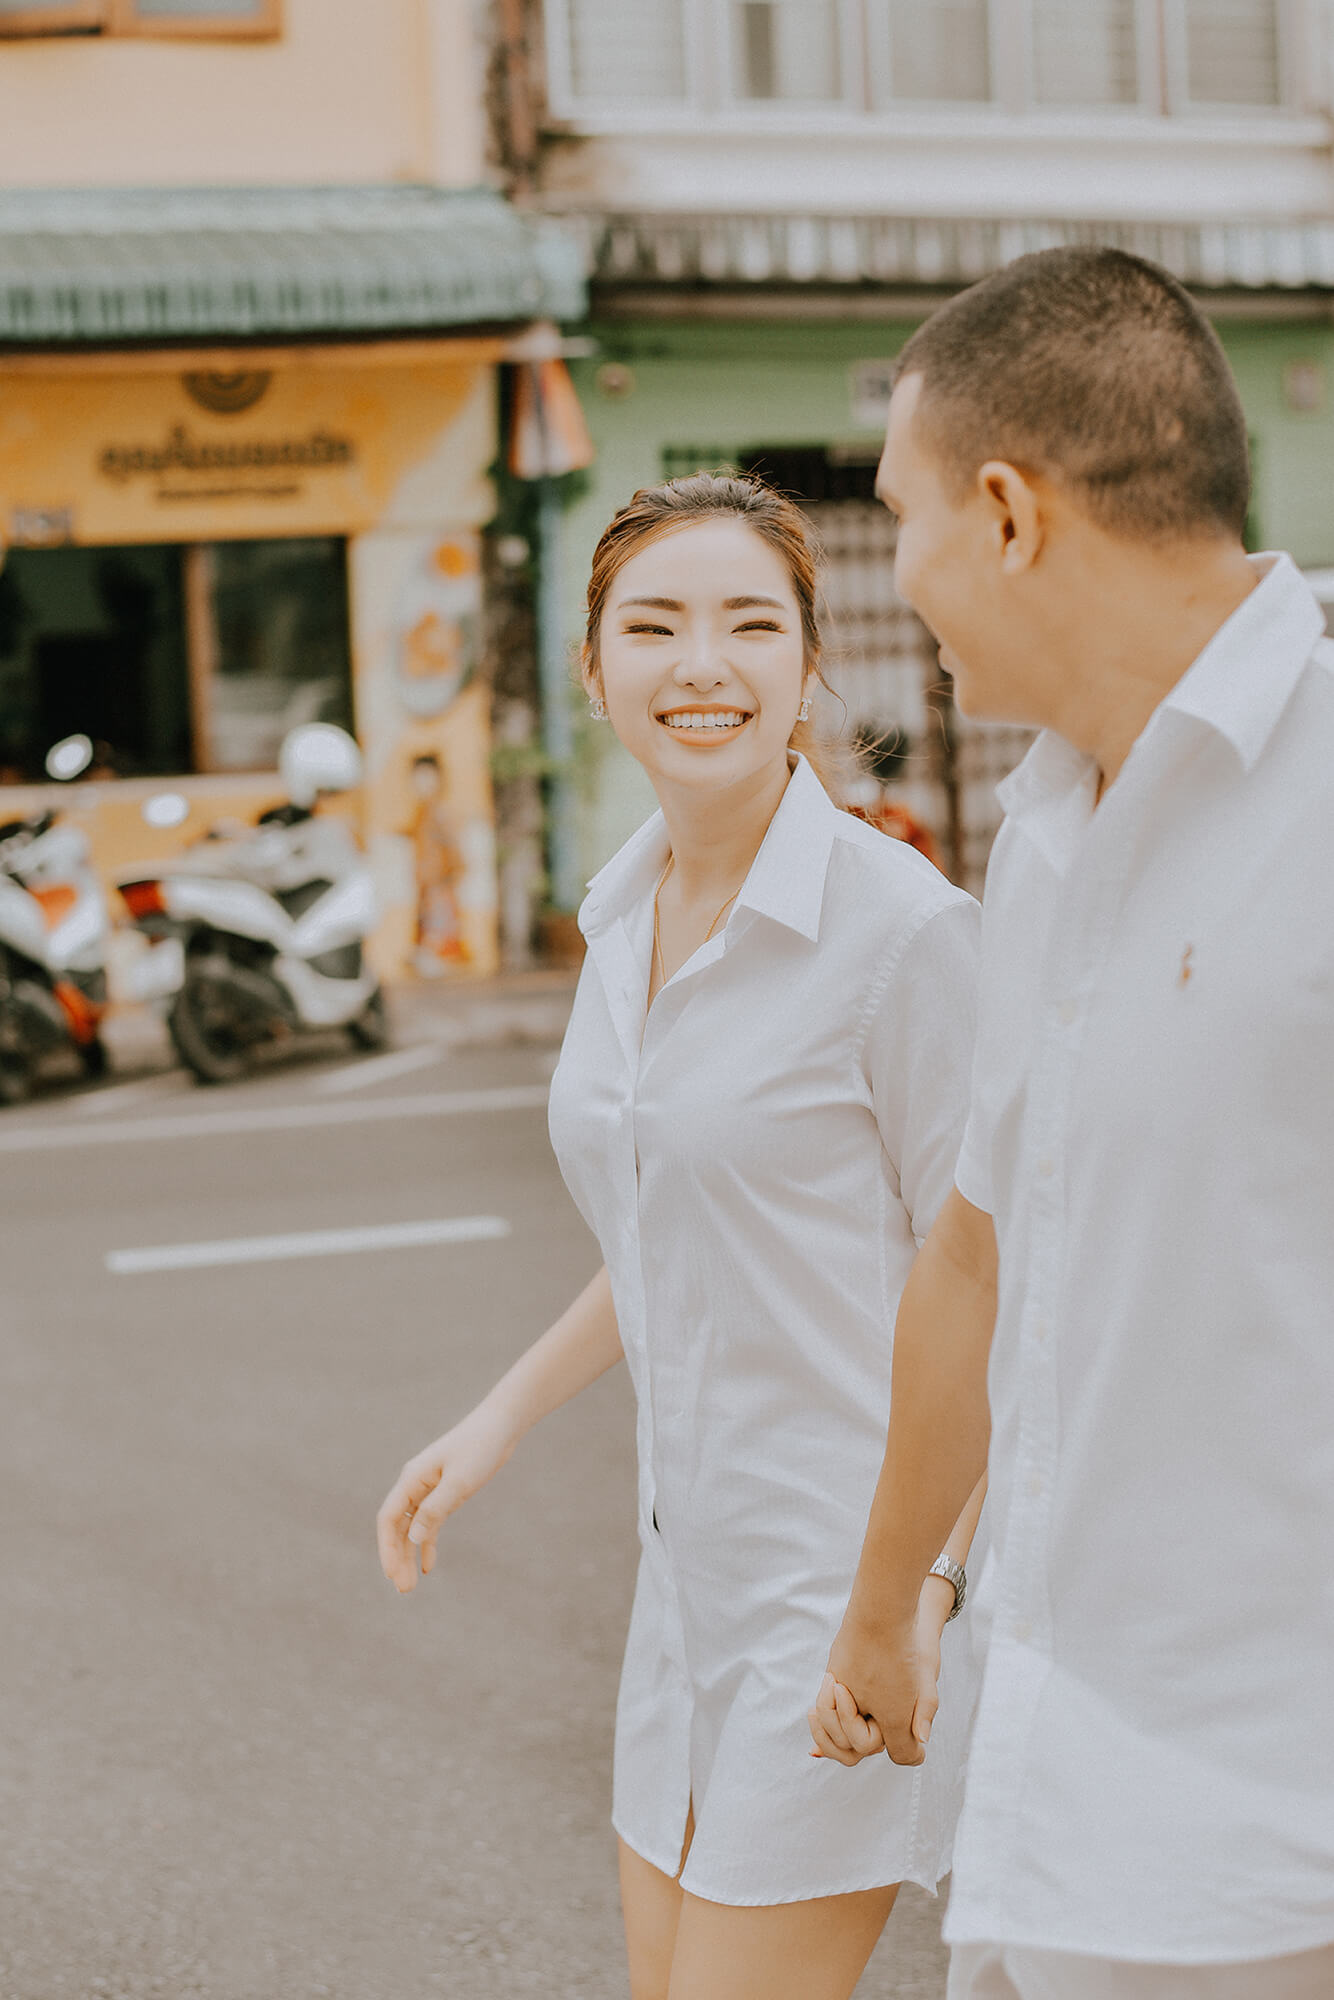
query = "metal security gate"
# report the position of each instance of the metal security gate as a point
(890, 696)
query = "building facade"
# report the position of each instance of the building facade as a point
(254, 303)
(772, 194)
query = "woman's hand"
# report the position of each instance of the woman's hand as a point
(838, 1729)
(432, 1485)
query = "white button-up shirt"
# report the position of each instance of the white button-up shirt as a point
(759, 1160)
(1152, 1128)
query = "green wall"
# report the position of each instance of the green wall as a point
(1293, 506)
(722, 386)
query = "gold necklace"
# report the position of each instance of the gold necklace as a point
(658, 969)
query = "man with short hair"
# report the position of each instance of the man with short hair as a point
(1140, 1246)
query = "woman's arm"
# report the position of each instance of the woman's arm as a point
(583, 1344)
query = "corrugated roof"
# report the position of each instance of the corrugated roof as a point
(81, 266)
(743, 250)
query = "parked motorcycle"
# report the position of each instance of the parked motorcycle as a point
(264, 932)
(53, 940)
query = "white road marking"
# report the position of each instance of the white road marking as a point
(100, 1103)
(306, 1243)
(375, 1069)
(268, 1118)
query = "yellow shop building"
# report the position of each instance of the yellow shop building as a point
(246, 425)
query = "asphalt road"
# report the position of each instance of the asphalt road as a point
(233, 1764)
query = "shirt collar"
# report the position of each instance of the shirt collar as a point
(787, 876)
(1239, 686)
(1051, 795)
(786, 879)
(1243, 680)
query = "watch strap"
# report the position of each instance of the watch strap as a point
(956, 1574)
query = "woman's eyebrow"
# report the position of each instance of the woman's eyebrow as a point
(675, 604)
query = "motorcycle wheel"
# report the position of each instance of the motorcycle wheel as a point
(370, 1030)
(209, 1047)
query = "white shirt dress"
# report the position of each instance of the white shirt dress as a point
(759, 1160)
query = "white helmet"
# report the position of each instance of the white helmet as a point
(318, 757)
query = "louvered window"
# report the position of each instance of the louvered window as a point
(938, 50)
(1232, 51)
(21, 17)
(786, 49)
(1085, 52)
(166, 18)
(867, 57)
(627, 51)
(195, 17)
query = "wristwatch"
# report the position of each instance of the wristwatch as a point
(956, 1574)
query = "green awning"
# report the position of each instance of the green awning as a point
(85, 267)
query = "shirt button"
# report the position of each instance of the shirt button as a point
(1023, 1631)
(1046, 1167)
(1035, 1485)
(1067, 1013)
(1041, 1330)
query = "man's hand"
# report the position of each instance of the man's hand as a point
(880, 1671)
(880, 1691)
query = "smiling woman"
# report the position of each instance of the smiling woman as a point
(757, 1109)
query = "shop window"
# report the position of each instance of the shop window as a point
(93, 640)
(268, 632)
(172, 659)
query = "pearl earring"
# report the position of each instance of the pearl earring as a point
(597, 708)
(804, 712)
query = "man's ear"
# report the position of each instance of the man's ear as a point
(1014, 512)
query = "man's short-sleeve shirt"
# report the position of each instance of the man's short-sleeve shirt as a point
(1152, 1129)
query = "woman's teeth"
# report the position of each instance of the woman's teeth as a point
(693, 719)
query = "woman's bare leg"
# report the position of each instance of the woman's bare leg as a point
(785, 1951)
(650, 1906)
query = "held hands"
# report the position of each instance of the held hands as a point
(430, 1488)
(880, 1691)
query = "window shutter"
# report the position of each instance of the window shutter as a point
(938, 49)
(627, 51)
(196, 17)
(1085, 52)
(21, 17)
(1232, 54)
(787, 49)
